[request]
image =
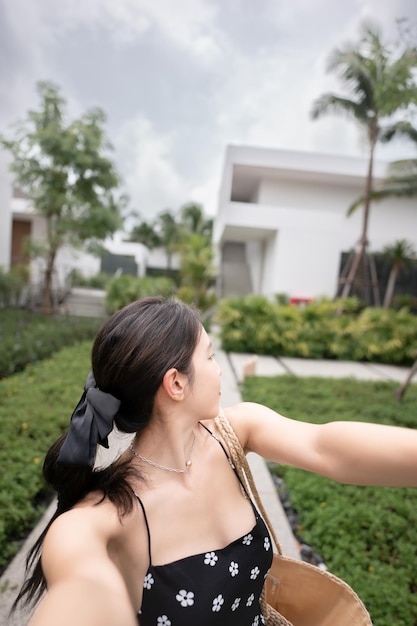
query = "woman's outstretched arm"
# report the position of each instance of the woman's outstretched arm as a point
(349, 452)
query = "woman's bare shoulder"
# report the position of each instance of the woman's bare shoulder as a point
(84, 533)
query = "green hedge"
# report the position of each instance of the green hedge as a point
(35, 407)
(27, 337)
(124, 289)
(321, 330)
(367, 536)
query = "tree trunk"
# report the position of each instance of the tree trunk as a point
(361, 250)
(400, 394)
(47, 292)
(389, 292)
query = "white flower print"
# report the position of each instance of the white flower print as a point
(163, 621)
(247, 539)
(210, 558)
(235, 604)
(217, 603)
(256, 621)
(254, 573)
(267, 543)
(262, 619)
(148, 582)
(250, 600)
(185, 598)
(234, 568)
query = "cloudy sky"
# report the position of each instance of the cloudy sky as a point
(179, 80)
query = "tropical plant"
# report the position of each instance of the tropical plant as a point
(400, 255)
(63, 169)
(402, 174)
(380, 81)
(197, 271)
(193, 218)
(145, 233)
(169, 232)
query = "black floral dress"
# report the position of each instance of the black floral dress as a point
(218, 587)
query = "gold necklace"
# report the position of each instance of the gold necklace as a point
(164, 467)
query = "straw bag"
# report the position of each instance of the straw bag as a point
(296, 593)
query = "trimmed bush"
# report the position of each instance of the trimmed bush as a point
(35, 408)
(318, 330)
(126, 289)
(27, 337)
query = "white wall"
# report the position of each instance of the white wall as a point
(5, 213)
(305, 211)
(254, 259)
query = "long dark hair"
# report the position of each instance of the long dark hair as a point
(131, 354)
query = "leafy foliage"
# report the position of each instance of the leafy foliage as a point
(35, 408)
(12, 285)
(318, 331)
(379, 80)
(124, 289)
(63, 168)
(366, 535)
(29, 337)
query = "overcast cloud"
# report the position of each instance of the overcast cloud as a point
(181, 79)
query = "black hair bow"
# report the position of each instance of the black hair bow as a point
(91, 423)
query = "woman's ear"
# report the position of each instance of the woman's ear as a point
(174, 384)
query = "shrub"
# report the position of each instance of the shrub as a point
(126, 289)
(320, 330)
(35, 408)
(27, 337)
(12, 285)
(98, 281)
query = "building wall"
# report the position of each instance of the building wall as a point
(297, 227)
(5, 213)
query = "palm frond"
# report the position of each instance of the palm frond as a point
(332, 103)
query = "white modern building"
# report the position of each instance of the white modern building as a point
(282, 221)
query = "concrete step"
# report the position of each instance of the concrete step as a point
(236, 279)
(86, 302)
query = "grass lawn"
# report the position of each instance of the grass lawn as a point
(367, 536)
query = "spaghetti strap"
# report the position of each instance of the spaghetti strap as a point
(229, 458)
(147, 528)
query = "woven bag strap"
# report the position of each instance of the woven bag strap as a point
(241, 464)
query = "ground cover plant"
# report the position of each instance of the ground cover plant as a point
(35, 407)
(27, 337)
(340, 329)
(368, 536)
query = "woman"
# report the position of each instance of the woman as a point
(165, 534)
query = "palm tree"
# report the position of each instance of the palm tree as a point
(169, 232)
(145, 233)
(193, 219)
(400, 254)
(381, 83)
(402, 175)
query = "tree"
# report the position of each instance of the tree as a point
(380, 83)
(400, 255)
(169, 232)
(62, 167)
(145, 233)
(192, 217)
(197, 271)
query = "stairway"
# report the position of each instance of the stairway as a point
(236, 277)
(85, 302)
